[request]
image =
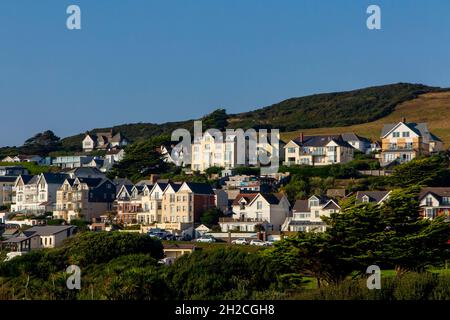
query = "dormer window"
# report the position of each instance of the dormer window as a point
(365, 199)
(313, 203)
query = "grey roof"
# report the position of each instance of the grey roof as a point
(7, 179)
(47, 230)
(91, 182)
(437, 192)
(321, 141)
(86, 172)
(351, 136)
(26, 178)
(55, 178)
(303, 205)
(374, 196)
(200, 188)
(419, 128)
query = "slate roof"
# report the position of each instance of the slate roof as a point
(7, 179)
(200, 188)
(55, 178)
(437, 192)
(374, 196)
(351, 136)
(320, 141)
(47, 230)
(419, 128)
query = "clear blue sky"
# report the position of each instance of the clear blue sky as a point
(168, 60)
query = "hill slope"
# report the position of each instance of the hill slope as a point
(433, 108)
(315, 111)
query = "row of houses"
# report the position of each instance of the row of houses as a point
(399, 142)
(103, 163)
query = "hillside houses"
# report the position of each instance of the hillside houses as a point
(84, 198)
(318, 150)
(404, 141)
(36, 194)
(103, 141)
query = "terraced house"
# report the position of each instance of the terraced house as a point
(129, 203)
(152, 203)
(182, 204)
(84, 198)
(318, 150)
(36, 194)
(403, 141)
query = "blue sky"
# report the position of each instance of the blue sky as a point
(168, 60)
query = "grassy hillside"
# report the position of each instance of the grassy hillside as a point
(331, 109)
(315, 111)
(433, 108)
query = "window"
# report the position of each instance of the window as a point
(316, 214)
(259, 205)
(405, 134)
(291, 150)
(396, 134)
(313, 203)
(445, 200)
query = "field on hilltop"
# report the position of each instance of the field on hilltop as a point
(433, 108)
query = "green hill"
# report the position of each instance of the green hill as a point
(327, 110)
(315, 111)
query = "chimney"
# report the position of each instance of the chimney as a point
(301, 137)
(404, 120)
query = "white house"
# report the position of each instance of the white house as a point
(318, 150)
(251, 210)
(103, 141)
(36, 194)
(307, 214)
(435, 202)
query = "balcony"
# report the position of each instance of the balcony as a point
(229, 219)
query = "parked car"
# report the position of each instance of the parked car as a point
(240, 241)
(257, 242)
(206, 239)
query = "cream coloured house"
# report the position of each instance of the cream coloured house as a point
(84, 198)
(152, 204)
(318, 150)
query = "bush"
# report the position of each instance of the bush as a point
(94, 248)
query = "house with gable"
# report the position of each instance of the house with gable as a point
(376, 197)
(103, 141)
(318, 150)
(36, 194)
(434, 202)
(129, 203)
(183, 204)
(252, 211)
(152, 203)
(84, 198)
(403, 141)
(307, 214)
